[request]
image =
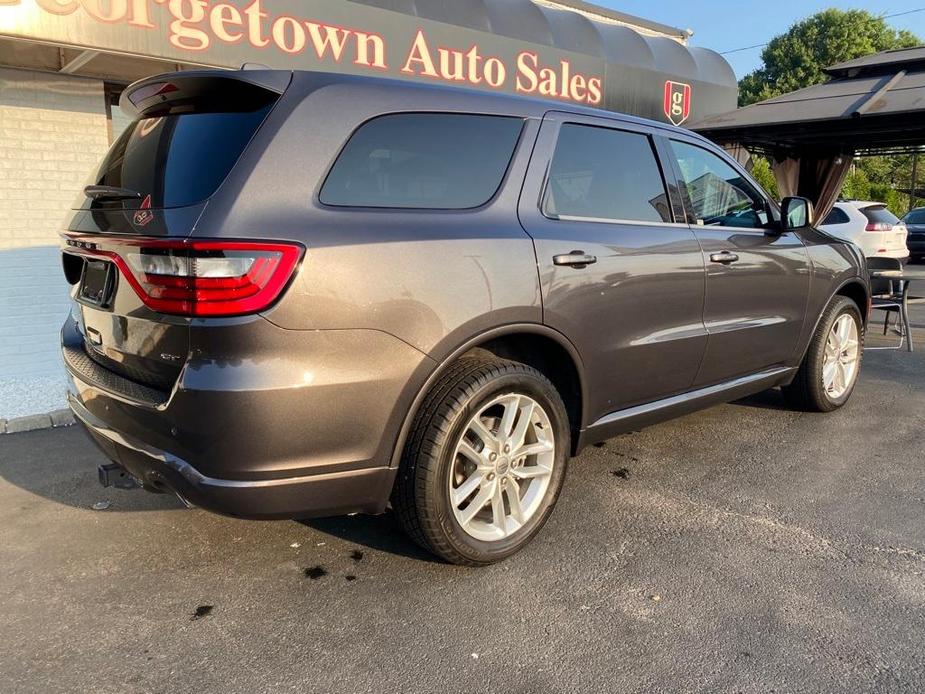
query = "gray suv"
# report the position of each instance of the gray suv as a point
(301, 294)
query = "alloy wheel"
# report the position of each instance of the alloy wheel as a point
(501, 467)
(841, 358)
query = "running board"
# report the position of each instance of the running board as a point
(633, 418)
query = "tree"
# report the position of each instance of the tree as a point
(796, 59)
(761, 172)
(857, 185)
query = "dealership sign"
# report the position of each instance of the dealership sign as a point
(343, 36)
(677, 101)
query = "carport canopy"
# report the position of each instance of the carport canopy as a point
(872, 105)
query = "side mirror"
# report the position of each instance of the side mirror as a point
(796, 213)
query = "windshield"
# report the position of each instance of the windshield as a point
(915, 217)
(178, 159)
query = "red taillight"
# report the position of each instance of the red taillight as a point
(206, 278)
(879, 226)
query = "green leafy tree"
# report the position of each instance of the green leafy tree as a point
(796, 59)
(857, 184)
(761, 171)
(877, 179)
(895, 201)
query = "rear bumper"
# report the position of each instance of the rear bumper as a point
(899, 253)
(364, 491)
(262, 423)
(874, 246)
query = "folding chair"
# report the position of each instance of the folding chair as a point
(891, 297)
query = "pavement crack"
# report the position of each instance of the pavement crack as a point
(900, 552)
(796, 536)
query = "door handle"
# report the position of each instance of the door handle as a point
(723, 257)
(575, 259)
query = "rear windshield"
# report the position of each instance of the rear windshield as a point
(179, 159)
(879, 214)
(423, 161)
(915, 217)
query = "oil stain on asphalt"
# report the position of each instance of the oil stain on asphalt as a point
(202, 611)
(316, 572)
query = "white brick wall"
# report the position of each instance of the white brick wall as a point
(52, 133)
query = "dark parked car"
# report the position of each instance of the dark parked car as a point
(301, 294)
(915, 223)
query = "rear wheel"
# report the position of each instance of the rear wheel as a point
(485, 461)
(830, 369)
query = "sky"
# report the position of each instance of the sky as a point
(725, 25)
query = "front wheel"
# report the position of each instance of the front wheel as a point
(484, 463)
(830, 369)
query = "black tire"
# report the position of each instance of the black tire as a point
(806, 392)
(421, 495)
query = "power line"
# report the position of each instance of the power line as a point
(900, 14)
(747, 48)
(762, 45)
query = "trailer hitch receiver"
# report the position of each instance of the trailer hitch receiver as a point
(114, 475)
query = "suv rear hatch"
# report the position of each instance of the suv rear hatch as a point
(891, 230)
(138, 276)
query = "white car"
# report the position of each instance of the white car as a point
(870, 225)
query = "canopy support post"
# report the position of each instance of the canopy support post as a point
(915, 176)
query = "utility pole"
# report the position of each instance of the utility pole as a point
(912, 188)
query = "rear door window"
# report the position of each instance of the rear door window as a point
(879, 214)
(180, 159)
(605, 175)
(438, 161)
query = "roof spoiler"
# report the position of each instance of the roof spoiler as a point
(177, 88)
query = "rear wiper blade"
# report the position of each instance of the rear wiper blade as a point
(110, 193)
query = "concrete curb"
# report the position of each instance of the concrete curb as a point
(58, 418)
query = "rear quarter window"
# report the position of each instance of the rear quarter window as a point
(836, 216)
(423, 161)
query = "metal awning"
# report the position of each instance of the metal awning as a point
(566, 50)
(872, 105)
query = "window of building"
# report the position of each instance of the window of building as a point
(423, 161)
(603, 174)
(715, 194)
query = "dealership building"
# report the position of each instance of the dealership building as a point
(64, 63)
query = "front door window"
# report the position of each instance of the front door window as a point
(714, 193)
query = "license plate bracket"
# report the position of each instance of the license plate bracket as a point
(97, 283)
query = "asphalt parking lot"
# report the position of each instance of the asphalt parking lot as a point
(747, 548)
